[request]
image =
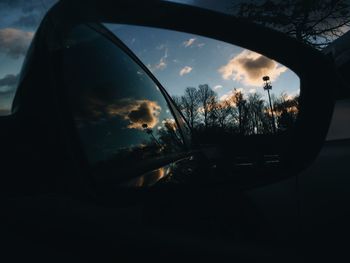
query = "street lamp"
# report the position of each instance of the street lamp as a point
(268, 87)
(150, 132)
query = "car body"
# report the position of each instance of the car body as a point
(174, 197)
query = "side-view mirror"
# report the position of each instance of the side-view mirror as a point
(112, 117)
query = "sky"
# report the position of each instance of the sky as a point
(176, 59)
(181, 60)
(19, 20)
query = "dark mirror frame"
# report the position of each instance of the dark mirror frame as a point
(316, 71)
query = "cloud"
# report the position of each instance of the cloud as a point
(189, 42)
(162, 64)
(228, 95)
(252, 91)
(217, 87)
(14, 42)
(200, 45)
(185, 70)
(30, 20)
(249, 67)
(26, 6)
(137, 112)
(170, 124)
(8, 83)
(161, 47)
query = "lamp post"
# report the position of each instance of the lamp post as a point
(268, 87)
(150, 132)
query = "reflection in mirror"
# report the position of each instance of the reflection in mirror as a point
(228, 94)
(120, 113)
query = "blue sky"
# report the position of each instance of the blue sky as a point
(199, 61)
(24, 16)
(181, 60)
(164, 52)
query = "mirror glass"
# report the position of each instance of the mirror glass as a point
(229, 95)
(234, 101)
(122, 117)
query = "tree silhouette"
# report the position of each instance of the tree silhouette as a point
(286, 110)
(241, 109)
(314, 22)
(189, 104)
(223, 111)
(240, 114)
(256, 113)
(207, 99)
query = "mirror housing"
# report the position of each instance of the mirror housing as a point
(316, 72)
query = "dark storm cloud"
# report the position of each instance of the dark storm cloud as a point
(8, 83)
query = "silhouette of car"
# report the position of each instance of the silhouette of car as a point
(101, 163)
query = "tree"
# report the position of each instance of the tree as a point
(190, 105)
(223, 111)
(314, 22)
(207, 99)
(238, 114)
(240, 105)
(286, 109)
(178, 102)
(256, 108)
(213, 114)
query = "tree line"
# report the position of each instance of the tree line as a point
(314, 22)
(239, 113)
